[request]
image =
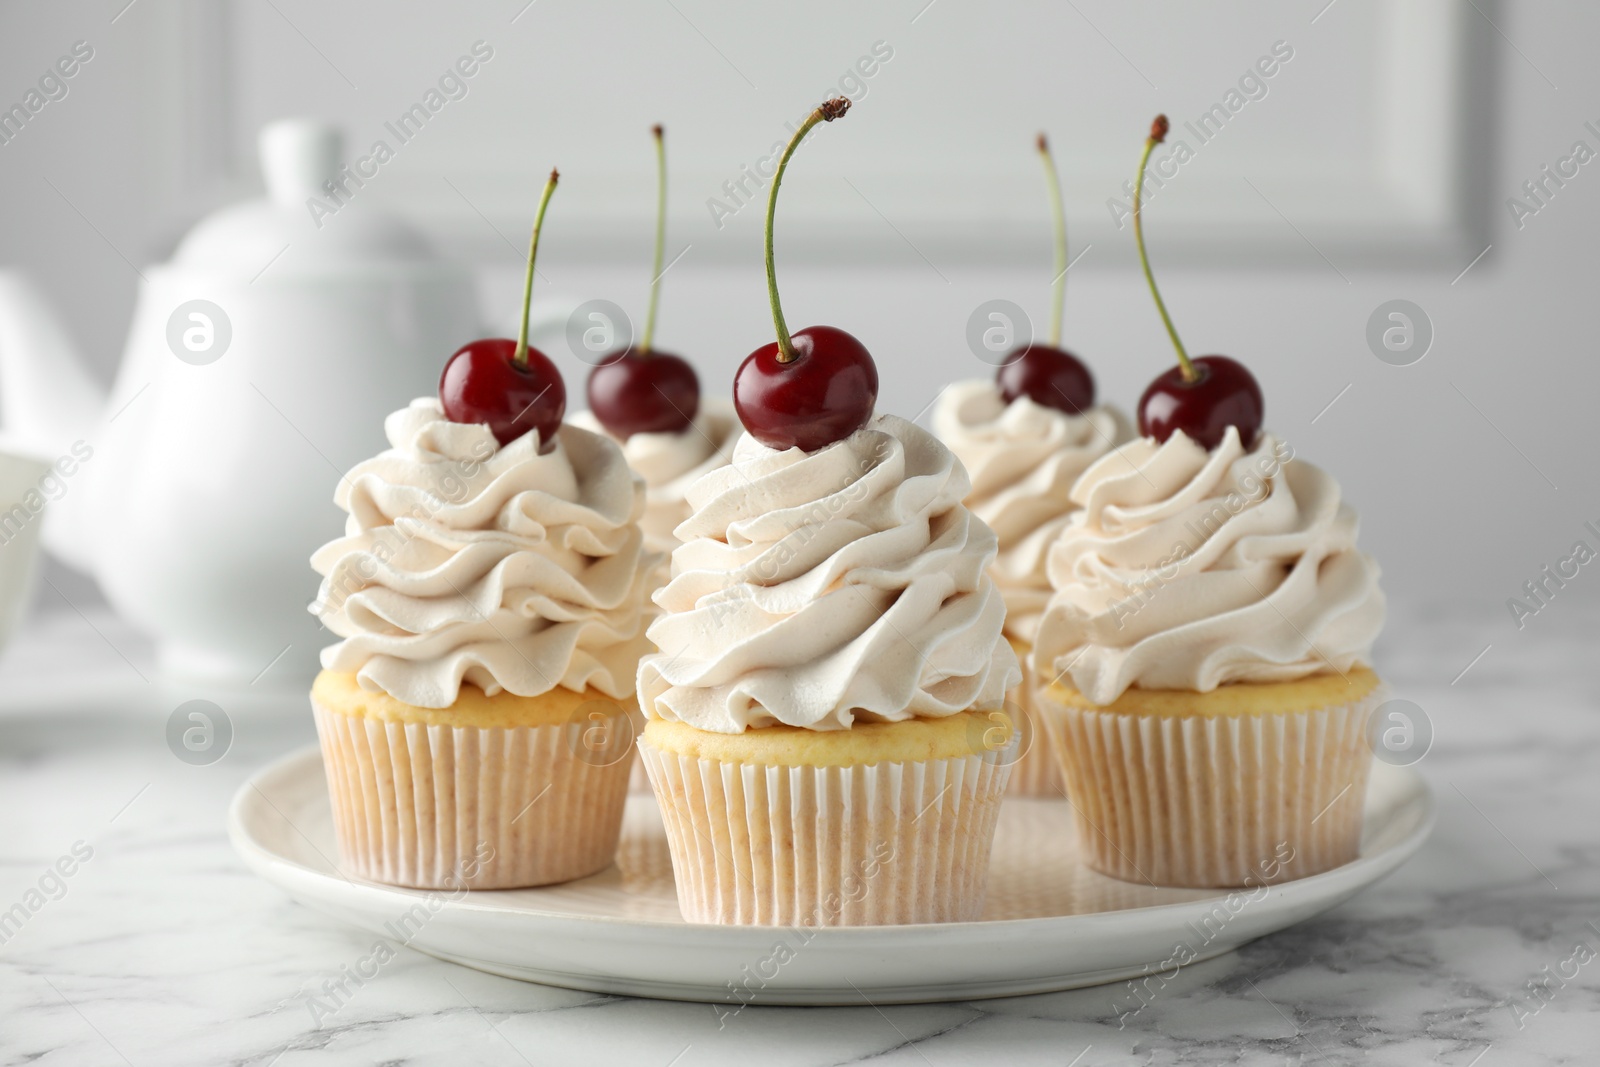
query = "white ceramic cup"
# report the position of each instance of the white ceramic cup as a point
(27, 487)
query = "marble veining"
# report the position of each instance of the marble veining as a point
(160, 948)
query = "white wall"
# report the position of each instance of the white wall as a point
(1472, 468)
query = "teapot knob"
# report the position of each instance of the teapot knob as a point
(297, 157)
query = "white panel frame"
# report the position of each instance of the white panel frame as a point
(1419, 203)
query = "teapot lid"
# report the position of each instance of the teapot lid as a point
(306, 225)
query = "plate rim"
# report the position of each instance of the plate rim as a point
(1389, 858)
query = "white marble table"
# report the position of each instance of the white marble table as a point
(160, 948)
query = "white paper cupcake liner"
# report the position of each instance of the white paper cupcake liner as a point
(829, 846)
(1036, 772)
(638, 781)
(1215, 801)
(433, 806)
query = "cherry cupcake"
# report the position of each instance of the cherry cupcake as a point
(1210, 636)
(825, 733)
(476, 718)
(1025, 437)
(648, 402)
(669, 463)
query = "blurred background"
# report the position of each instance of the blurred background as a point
(1337, 156)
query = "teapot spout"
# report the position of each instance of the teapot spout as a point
(48, 398)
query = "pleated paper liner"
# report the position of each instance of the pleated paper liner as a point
(1036, 772)
(436, 806)
(1214, 801)
(883, 844)
(638, 781)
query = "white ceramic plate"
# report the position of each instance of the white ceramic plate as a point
(1050, 923)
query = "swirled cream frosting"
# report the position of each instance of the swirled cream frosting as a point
(464, 561)
(1188, 569)
(671, 462)
(1023, 459)
(815, 589)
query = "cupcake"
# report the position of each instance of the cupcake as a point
(1207, 650)
(1207, 654)
(826, 736)
(1022, 457)
(475, 720)
(670, 462)
(1025, 438)
(649, 402)
(821, 729)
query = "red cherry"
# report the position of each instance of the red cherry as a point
(1202, 397)
(509, 385)
(1225, 394)
(1049, 374)
(483, 383)
(1046, 375)
(825, 394)
(637, 392)
(815, 386)
(641, 390)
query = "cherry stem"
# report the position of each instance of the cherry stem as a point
(1058, 302)
(1158, 133)
(520, 357)
(661, 239)
(827, 112)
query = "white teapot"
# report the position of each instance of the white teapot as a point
(260, 364)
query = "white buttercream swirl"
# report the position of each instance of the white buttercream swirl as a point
(817, 588)
(463, 561)
(1022, 458)
(671, 462)
(1188, 569)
